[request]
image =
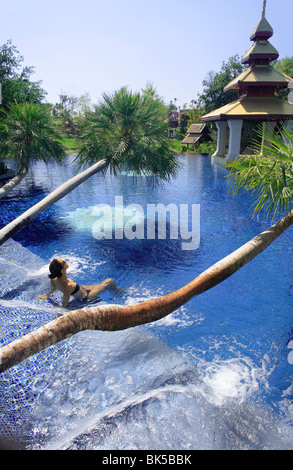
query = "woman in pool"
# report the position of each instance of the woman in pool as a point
(68, 287)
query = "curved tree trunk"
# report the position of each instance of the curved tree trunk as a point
(119, 317)
(7, 231)
(4, 190)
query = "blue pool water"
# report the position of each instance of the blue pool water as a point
(212, 375)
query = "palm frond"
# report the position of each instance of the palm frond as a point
(27, 132)
(126, 130)
(268, 174)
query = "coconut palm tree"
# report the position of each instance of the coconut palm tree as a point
(268, 174)
(27, 133)
(126, 131)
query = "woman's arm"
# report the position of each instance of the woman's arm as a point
(46, 296)
(65, 300)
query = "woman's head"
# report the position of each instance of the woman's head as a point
(56, 267)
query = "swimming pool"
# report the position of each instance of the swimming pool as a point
(212, 375)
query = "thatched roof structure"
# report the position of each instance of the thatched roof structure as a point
(195, 133)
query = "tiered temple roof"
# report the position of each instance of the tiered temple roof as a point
(258, 84)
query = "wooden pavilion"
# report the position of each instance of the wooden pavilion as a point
(256, 88)
(196, 134)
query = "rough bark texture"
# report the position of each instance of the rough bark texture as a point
(7, 231)
(119, 317)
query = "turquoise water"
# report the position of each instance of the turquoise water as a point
(212, 375)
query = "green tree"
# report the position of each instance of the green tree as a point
(184, 121)
(213, 95)
(286, 66)
(194, 116)
(151, 92)
(16, 84)
(171, 107)
(27, 133)
(65, 113)
(84, 104)
(268, 174)
(127, 131)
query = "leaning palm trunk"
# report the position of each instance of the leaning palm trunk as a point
(7, 231)
(12, 183)
(119, 317)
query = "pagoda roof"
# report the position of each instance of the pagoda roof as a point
(263, 29)
(250, 108)
(261, 75)
(260, 49)
(257, 84)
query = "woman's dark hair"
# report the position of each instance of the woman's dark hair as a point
(55, 269)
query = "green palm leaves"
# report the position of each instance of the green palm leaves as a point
(269, 173)
(28, 133)
(127, 131)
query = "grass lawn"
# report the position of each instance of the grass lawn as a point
(69, 143)
(176, 145)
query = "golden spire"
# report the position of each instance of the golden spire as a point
(264, 8)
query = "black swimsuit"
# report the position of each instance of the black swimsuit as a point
(77, 287)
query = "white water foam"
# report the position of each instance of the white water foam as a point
(84, 218)
(146, 396)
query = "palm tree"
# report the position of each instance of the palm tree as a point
(27, 133)
(126, 131)
(268, 174)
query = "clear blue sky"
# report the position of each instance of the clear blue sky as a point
(98, 46)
